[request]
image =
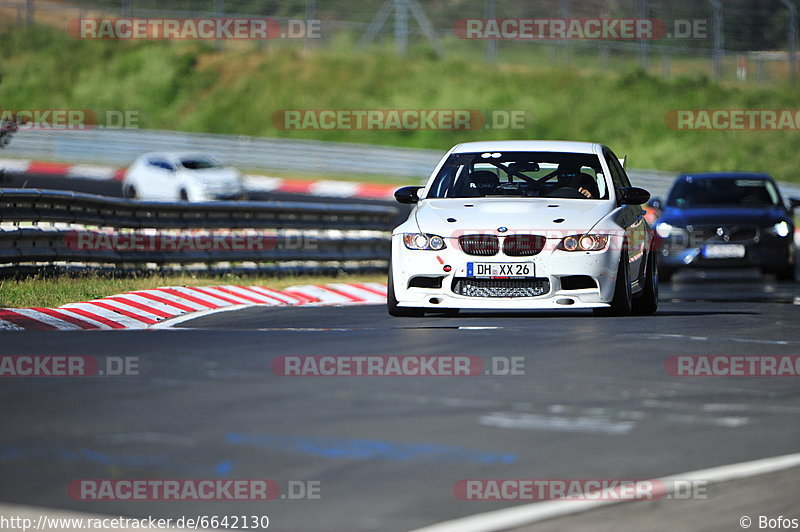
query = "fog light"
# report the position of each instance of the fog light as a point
(447, 268)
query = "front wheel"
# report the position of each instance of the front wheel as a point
(784, 274)
(647, 302)
(622, 303)
(130, 192)
(391, 302)
(665, 274)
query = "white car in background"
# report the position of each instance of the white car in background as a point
(169, 176)
(524, 225)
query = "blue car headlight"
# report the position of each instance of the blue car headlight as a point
(664, 229)
(781, 229)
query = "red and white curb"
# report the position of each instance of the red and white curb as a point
(143, 309)
(85, 171)
(320, 187)
(312, 187)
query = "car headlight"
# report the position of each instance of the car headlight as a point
(674, 237)
(781, 228)
(583, 243)
(663, 229)
(423, 241)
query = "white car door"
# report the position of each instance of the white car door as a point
(160, 180)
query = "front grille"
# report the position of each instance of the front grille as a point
(730, 233)
(482, 245)
(523, 245)
(533, 287)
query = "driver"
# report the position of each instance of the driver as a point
(569, 175)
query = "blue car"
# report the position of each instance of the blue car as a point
(726, 220)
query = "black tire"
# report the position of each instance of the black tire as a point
(391, 302)
(130, 192)
(622, 303)
(647, 302)
(665, 274)
(785, 274)
(183, 196)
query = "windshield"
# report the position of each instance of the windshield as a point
(731, 191)
(526, 174)
(199, 163)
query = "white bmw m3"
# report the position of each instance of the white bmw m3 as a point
(524, 225)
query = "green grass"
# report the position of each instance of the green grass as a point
(193, 87)
(55, 291)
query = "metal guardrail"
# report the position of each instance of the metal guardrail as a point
(100, 229)
(40, 245)
(32, 205)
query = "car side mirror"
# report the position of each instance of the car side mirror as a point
(632, 196)
(407, 194)
(794, 203)
(656, 204)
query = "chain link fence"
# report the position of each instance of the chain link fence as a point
(734, 40)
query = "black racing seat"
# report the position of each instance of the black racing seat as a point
(589, 183)
(570, 175)
(483, 182)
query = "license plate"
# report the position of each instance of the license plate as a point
(499, 270)
(723, 251)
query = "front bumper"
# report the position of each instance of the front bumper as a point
(769, 252)
(565, 275)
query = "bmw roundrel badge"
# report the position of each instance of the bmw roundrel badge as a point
(502, 229)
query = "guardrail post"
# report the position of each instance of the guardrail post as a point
(29, 8)
(490, 12)
(792, 38)
(641, 11)
(719, 41)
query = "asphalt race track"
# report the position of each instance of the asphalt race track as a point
(594, 401)
(104, 187)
